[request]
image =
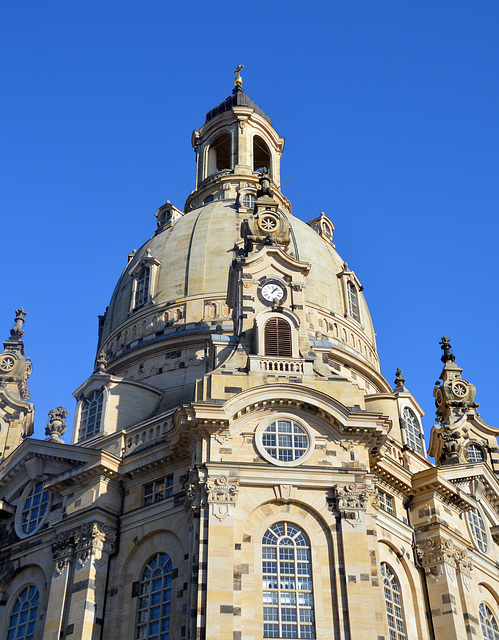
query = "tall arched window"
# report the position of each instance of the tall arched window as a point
(393, 603)
(490, 630)
(277, 338)
(91, 415)
(23, 617)
(288, 602)
(155, 595)
(219, 154)
(353, 301)
(261, 155)
(414, 438)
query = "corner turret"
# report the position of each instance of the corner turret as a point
(16, 412)
(460, 436)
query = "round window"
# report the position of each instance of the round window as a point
(33, 509)
(284, 441)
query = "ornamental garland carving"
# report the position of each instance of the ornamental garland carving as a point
(222, 496)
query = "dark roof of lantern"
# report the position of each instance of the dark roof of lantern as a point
(237, 99)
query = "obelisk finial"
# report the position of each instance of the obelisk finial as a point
(238, 81)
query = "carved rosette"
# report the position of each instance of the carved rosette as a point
(222, 496)
(81, 544)
(351, 502)
(441, 557)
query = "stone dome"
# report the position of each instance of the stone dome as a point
(194, 257)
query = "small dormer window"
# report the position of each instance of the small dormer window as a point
(249, 201)
(142, 288)
(91, 415)
(144, 274)
(353, 301)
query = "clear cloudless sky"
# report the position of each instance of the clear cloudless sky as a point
(390, 114)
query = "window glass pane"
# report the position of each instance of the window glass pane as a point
(287, 594)
(393, 603)
(27, 604)
(91, 414)
(478, 530)
(34, 508)
(414, 438)
(153, 612)
(285, 440)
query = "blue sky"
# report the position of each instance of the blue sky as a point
(389, 110)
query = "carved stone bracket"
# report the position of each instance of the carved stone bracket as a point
(222, 496)
(351, 502)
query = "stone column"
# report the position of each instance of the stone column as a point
(78, 586)
(354, 545)
(222, 617)
(441, 561)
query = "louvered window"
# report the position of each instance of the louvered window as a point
(278, 338)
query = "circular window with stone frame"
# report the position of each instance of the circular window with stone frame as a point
(284, 440)
(33, 509)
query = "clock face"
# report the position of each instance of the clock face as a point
(271, 290)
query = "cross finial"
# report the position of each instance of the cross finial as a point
(238, 81)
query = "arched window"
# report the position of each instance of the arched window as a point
(288, 602)
(155, 595)
(261, 154)
(414, 438)
(277, 338)
(478, 530)
(490, 630)
(142, 287)
(474, 453)
(353, 301)
(393, 603)
(219, 154)
(23, 617)
(91, 415)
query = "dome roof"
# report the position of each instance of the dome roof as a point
(194, 257)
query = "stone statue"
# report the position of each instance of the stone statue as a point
(264, 179)
(17, 330)
(451, 447)
(448, 356)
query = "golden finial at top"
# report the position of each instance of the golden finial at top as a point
(238, 81)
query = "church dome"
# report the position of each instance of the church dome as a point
(198, 294)
(194, 256)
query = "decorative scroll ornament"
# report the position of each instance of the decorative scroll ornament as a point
(222, 496)
(351, 501)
